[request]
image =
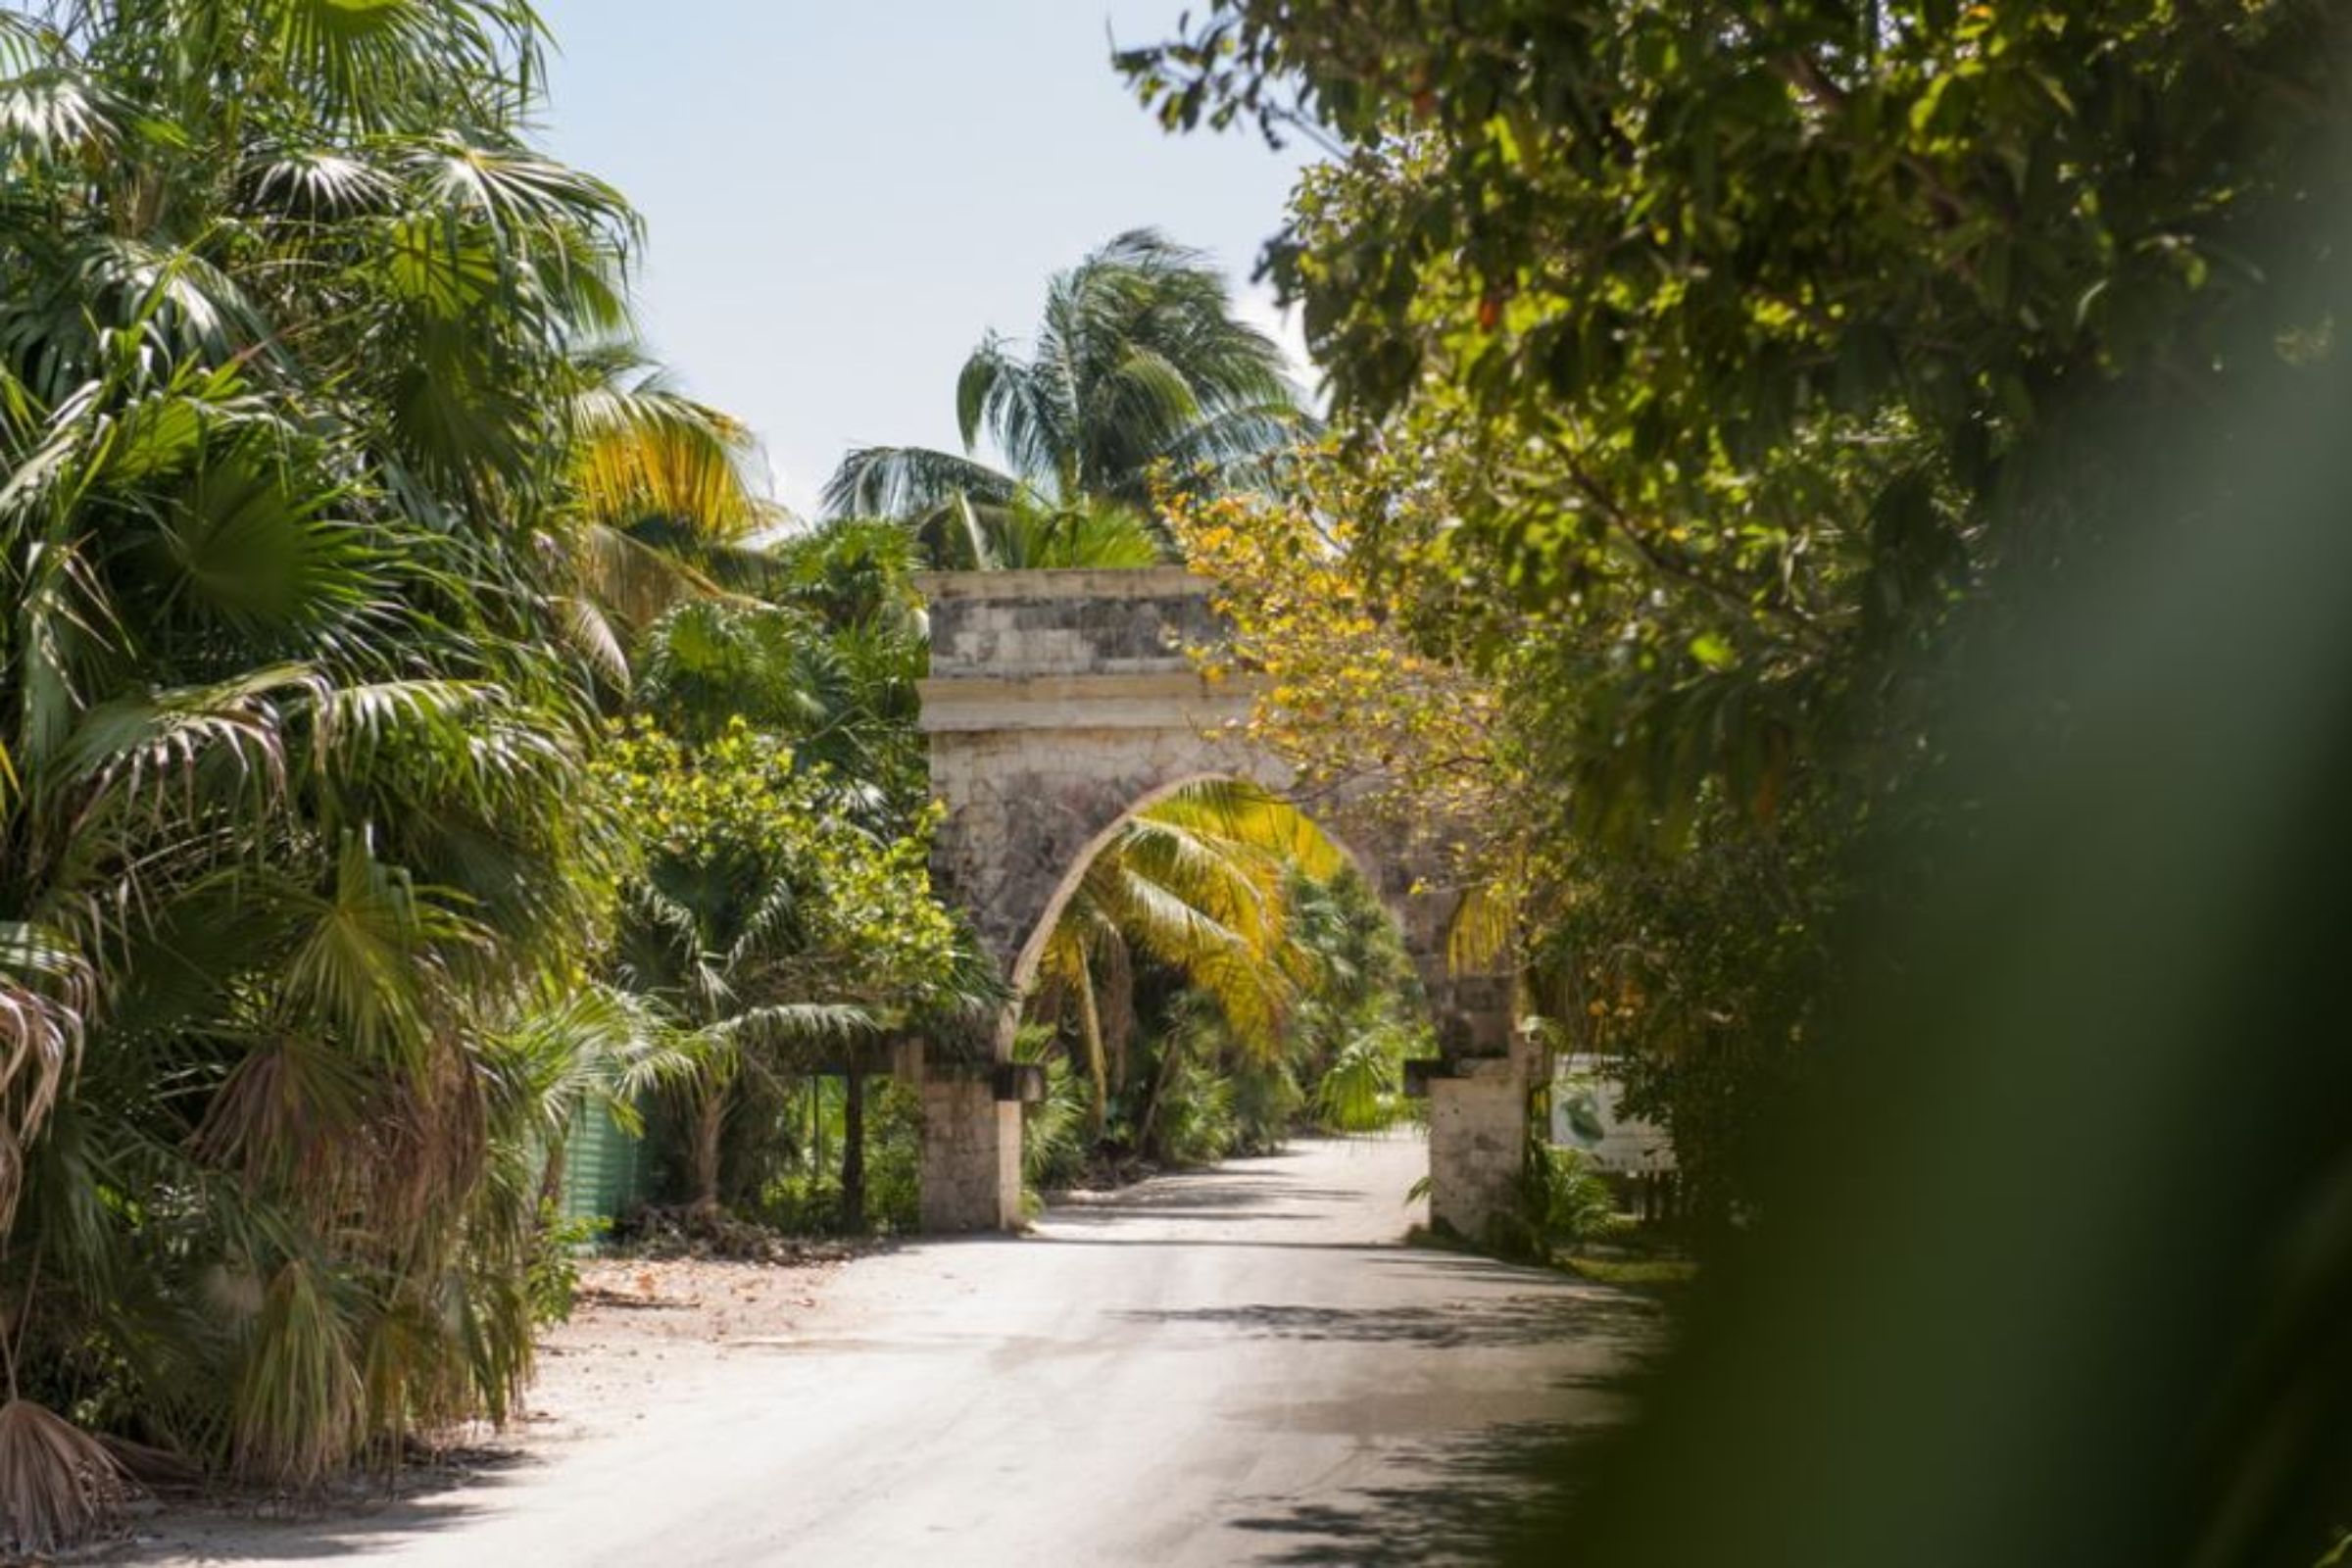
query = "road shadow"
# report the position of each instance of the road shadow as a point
(1550, 1318)
(349, 1521)
(1207, 1190)
(1182, 1211)
(1471, 1498)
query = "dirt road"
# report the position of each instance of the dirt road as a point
(1233, 1366)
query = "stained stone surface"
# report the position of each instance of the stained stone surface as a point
(1059, 704)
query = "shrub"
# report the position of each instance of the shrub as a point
(1266, 1102)
(1197, 1122)
(552, 1277)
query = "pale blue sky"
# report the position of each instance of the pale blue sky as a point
(843, 195)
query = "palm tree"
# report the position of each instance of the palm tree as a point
(1138, 365)
(779, 912)
(705, 950)
(1029, 534)
(657, 505)
(1199, 882)
(300, 439)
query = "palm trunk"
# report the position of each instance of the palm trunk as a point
(816, 1129)
(551, 1175)
(709, 1122)
(1168, 1053)
(853, 1152)
(1090, 1029)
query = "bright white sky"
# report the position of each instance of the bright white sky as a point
(844, 195)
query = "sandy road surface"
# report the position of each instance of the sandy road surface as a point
(1240, 1365)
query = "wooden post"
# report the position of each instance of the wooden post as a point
(853, 1152)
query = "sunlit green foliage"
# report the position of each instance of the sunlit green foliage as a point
(1138, 365)
(1693, 372)
(1728, 383)
(315, 405)
(1219, 978)
(764, 925)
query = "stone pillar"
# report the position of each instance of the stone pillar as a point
(971, 1153)
(1477, 1143)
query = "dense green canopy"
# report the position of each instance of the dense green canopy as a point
(326, 459)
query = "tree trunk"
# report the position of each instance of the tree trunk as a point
(853, 1152)
(1170, 1051)
(816, 1131)
(551, 1175)
(1090, 1029)
(709, 1122)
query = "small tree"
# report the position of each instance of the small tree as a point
(763, 924)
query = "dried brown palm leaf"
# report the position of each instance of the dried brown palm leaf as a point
(59, 1486)
(46, 991)
(300, 1406)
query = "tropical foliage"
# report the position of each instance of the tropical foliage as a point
(1218, 974)
(332, 494)
(1802, 420)
(1698, 496)
(1138, 365)
(764, 925)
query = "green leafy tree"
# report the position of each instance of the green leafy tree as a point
(1359, 1012)
(1693, 373)
(1742, 376)
(764, 926)
(310, 415)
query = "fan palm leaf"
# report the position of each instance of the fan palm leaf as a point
(290, 826)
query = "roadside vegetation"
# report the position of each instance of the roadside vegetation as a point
(1219, 979)
(1784, 466)
(419, 741)
(422, 746)
(327, 450)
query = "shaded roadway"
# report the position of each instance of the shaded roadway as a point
(1237, 1365)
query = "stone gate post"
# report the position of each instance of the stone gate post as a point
(971, 1169)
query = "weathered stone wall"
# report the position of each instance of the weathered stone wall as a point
(1477, 1143)
(1060, 704)
(1028, 806)
(971, 1175)
(1032, 624)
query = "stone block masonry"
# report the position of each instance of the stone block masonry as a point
(971, 1168)
(1477, 1143)
(1059, 704)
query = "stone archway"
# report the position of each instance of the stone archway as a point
(1061, 703)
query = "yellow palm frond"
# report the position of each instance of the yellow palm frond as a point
(640, 453)
(1485, 928)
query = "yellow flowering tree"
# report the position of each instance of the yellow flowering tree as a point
(1347, 687)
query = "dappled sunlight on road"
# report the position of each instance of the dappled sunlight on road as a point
(1238, 1364)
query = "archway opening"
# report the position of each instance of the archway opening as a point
(1215, 973)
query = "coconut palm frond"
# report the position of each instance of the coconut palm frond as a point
(1250, 816)
(1359, 1087)
(1484, 930)
(1138, 362)
(907, 482)
(641, 450)
(1099, 535)
(802, 1032)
